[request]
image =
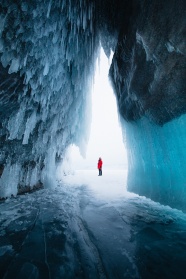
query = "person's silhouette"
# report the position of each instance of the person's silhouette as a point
(100, 163)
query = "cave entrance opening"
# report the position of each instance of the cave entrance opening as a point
(105, 135)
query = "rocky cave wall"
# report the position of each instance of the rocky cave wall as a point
(148, 75)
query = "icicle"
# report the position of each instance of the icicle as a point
(14, 67)
(46, 68)
(49, 8)
(9, 180)
(15, 123)
(30, 125)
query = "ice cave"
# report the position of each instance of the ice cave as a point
(48, 54)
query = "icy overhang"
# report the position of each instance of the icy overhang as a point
(48, 50)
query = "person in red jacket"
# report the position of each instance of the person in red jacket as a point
(100, 163)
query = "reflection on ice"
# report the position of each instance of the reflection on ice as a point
(90, 227)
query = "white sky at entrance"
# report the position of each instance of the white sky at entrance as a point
(105, 136)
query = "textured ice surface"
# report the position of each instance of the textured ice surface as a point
(84, 230)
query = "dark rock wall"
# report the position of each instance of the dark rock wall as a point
(149, 65)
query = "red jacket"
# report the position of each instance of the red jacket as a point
(100, 163)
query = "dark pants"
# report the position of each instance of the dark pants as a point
(100, 171)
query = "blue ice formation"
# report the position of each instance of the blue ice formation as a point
(48, 51)
(157, 160)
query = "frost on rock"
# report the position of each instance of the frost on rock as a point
(47, 54)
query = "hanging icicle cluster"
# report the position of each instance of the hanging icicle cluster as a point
(47, 54)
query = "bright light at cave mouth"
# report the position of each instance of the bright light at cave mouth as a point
(106, 135)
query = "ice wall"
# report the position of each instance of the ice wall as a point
(157, 160)
(47, 54)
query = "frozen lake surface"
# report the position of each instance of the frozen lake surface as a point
(90, 227)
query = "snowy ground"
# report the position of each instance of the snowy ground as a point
(90, 227)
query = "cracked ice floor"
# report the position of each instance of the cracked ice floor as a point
(90, 227)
